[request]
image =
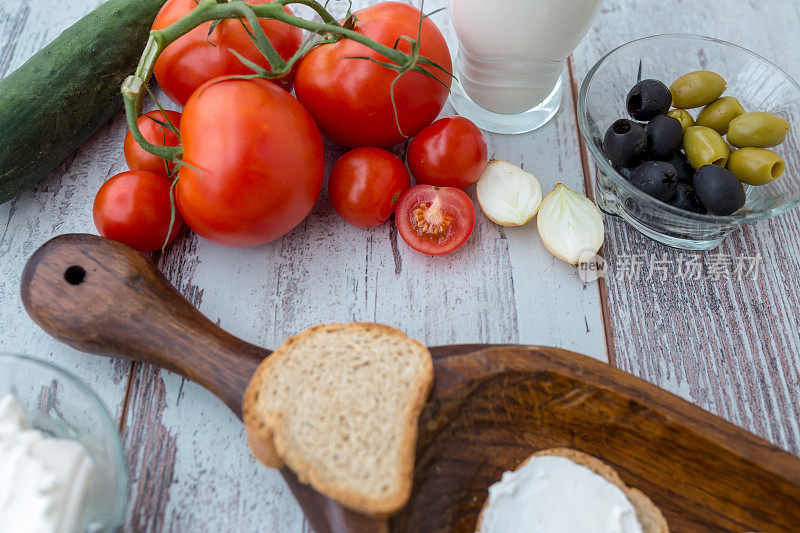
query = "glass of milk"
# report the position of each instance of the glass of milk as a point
(511, 58)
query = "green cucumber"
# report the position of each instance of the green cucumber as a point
(64, 93)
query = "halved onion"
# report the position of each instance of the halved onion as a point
(508, 195)
(570, 225)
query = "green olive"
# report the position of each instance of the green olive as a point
(697, 89)
(758, 129)
(683, 116)
(756, 166)
(705, 146)
(719, 113)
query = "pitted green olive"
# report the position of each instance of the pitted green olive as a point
(697, 89)
(705, 146)
(683, 116)
(718, 114)
(758, 129)
(756, 166)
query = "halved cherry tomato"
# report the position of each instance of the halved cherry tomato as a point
(365, 185)
(349, 98)
(451, 152)
(254, 162)
(134, 208)
(435, 220)
(140, 159)
(198, 57)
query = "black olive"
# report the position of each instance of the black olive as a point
(682, 165)
(656, 178)
(664, 137)
(686, 199)
(647, 99)
(625, 143)
(718, 189)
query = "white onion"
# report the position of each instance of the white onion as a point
(508, 195)
(570, 224)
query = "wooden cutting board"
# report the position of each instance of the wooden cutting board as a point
(491, 407)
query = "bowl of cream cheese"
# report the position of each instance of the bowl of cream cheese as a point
(62, 464)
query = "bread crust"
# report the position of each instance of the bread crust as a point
(270, 448)
(647, 513)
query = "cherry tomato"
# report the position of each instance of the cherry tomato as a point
(451, 152)
(140, 159)
(134, 208)
(349, 98)
(255, 162)
(365, 185)
(435, 220)
(198, 57)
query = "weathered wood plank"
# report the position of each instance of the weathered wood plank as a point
(59, 204)
(730, 346)
(503, 286)
(28, 25)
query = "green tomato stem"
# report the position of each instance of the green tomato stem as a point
(133, 91)
(260, 39)
(401, 58)
(316, 6)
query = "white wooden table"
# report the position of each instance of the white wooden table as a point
(731, 346)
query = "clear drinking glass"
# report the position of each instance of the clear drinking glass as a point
(59, 404)
(511, 58)
(758, 84)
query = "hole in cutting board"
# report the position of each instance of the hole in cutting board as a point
(75, 275)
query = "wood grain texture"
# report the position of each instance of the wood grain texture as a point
(490, 407)
(731, 346)
(102, 297)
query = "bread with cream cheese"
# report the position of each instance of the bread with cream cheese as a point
(649, 516)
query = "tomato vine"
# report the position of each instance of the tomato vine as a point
(327, 30)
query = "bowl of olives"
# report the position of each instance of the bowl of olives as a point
(692, 137)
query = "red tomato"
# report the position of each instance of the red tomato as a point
(365, 185)
(140, 159)
(349, 98)
(190, 61)
(435, 220)
(451, 152)
(134, 208)
(255, 162)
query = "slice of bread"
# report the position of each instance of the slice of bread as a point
(649, 515)
(339, 404)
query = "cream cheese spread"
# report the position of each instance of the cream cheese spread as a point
(553, 494)
(44, 481)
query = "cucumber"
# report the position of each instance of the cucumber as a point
(63, 94)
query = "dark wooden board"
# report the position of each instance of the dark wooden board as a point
(491, 407)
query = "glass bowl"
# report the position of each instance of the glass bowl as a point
(758, 84)
(59, 404)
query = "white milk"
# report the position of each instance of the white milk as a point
(513, 51)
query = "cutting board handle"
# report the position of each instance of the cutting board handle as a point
(102, 297)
